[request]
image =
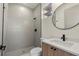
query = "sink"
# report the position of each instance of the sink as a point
(63, 43)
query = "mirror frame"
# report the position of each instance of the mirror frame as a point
(53, 19)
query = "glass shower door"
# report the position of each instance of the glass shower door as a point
(2, 47)
(1, 12)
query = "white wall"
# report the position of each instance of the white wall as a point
(72, 15)
(19, 30)
(37, 24)
(49, 31)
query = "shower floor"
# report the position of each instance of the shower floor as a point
(19, 52)
(26, 54)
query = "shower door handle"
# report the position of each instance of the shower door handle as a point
(2, 47)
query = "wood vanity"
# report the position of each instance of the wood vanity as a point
(48, 50)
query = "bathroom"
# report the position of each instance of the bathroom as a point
(19, 27)
(39, 29)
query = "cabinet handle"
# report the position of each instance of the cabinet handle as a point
(51, 47)
(54, 49)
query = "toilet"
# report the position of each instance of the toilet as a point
(37, 51)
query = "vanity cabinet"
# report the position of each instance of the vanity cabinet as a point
(48, 50)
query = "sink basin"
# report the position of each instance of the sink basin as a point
(64, 43)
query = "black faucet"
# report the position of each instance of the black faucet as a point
(63, 37)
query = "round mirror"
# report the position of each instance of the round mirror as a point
(66, 16)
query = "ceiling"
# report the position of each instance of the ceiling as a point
(30, 5)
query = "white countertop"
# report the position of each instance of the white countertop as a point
(73, 49)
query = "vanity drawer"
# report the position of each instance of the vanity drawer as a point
(49, 50)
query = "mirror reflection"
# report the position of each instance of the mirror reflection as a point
(66, 16)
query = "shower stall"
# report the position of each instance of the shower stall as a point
(17, 28)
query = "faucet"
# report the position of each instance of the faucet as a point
(63, 37)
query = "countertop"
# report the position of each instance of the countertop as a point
(74, 49)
